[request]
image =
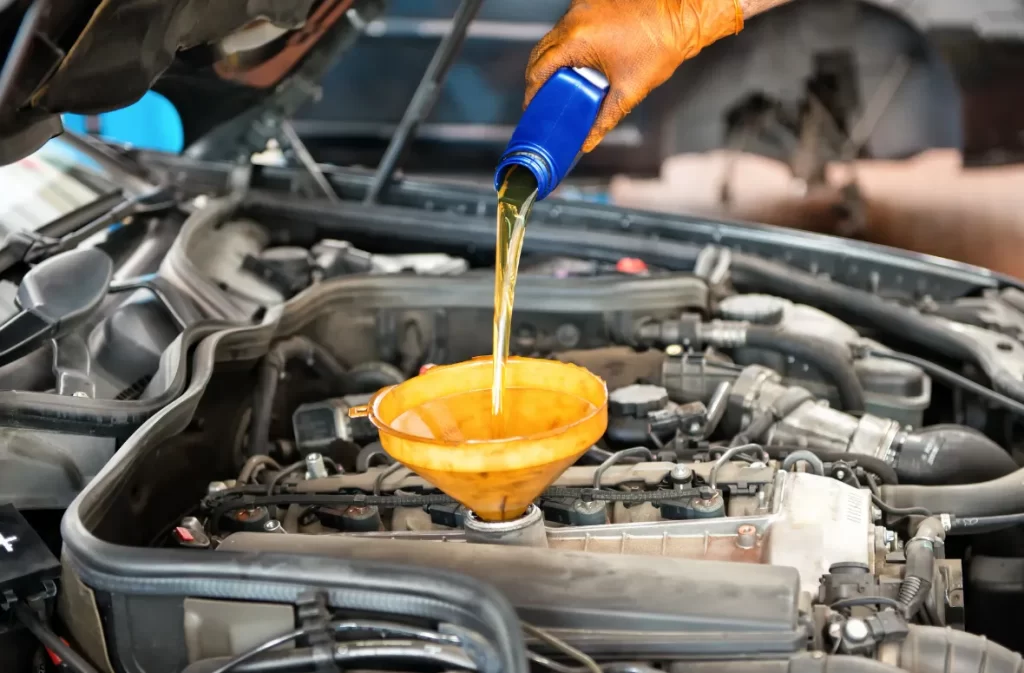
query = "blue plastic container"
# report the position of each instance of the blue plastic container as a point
(551, 132)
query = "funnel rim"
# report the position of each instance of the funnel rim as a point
(469, 443)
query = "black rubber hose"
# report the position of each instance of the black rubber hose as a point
(920, 565)
(932, 649)
(998, 496)
(273, 365)
(975, 525)
(876, 466)
(951, 454)
(750, 273)
(369, 377)
(953, 379)
(834, 362)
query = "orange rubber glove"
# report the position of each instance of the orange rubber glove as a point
(636, 44)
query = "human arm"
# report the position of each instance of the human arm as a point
(636, 44)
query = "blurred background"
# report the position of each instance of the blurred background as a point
(898, 122)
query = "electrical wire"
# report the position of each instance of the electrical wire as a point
(565, 648)
(555, 666)
(261, 648)
(953, 379)
(283, 474)
(876, 499)
(898, 511)
(51, 641)
(858, 601)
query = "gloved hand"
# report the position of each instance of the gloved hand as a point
(636, 44)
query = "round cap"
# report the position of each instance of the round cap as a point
(637, 400)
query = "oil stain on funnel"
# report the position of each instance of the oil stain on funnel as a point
(439, 425)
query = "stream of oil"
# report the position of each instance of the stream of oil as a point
(515, 200)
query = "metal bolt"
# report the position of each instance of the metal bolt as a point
(762, 500)
(856, 630)
(591, 507)
(673, 350)
(273, 526)
(746, 536)
(681, 473)
(315, 466)
(890, 539)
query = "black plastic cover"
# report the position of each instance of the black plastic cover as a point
(46, 470)
(25, 560)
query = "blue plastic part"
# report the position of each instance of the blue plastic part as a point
(152, 123)
(550, 134)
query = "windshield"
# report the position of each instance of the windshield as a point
(48, 185)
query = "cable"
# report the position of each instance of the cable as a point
(291, 469)
(562, 646)
(952, 378)
(51, 641)
(329, 462)
(858, 601)
(551, 663)
(898, 511)
(254, 464)
(260, 649)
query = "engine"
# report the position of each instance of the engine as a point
(744, 428)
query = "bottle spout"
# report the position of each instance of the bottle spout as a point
(549, 138)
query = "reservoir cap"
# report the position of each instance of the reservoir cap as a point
(550, 134)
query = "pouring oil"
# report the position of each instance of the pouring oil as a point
(516, 197)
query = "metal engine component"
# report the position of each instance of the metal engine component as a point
(811, 423)
(526, 531)
(791, 519)
(891, 389)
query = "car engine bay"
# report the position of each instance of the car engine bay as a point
(775, 479)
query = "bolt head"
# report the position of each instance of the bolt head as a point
(856, 630)
(673, 350)
(681, 473)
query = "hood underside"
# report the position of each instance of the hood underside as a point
(212, 58)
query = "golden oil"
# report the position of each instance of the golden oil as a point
(515, 200)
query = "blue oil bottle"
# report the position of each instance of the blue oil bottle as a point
(550, 134)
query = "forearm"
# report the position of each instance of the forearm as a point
(754, 7)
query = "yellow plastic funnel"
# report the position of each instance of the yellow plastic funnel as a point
(439, 425)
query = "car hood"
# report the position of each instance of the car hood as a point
(213, 59)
